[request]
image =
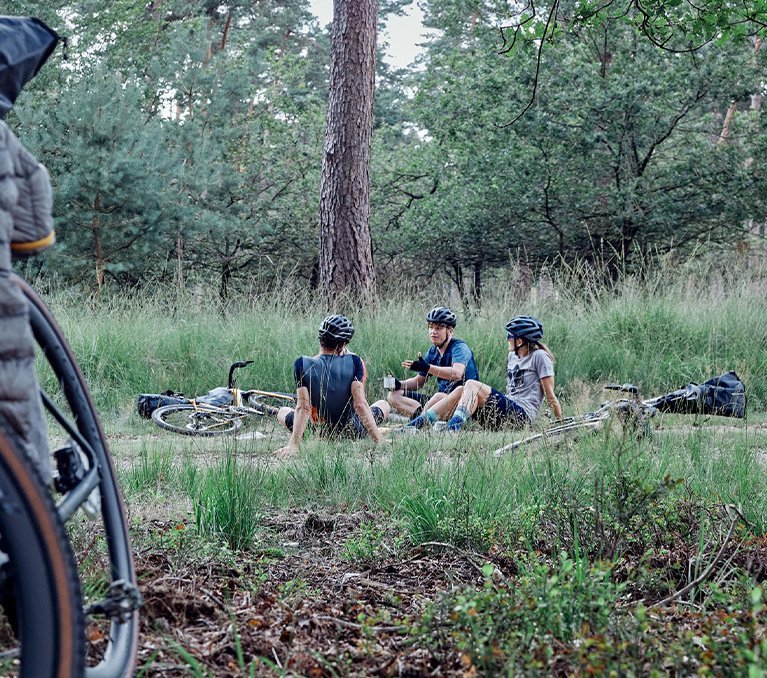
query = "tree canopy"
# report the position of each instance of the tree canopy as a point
(185, 138)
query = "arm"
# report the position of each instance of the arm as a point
(362, 409)
(300, 420)
(548, 390)
(460, 356)
(413, 383)
(453, 373)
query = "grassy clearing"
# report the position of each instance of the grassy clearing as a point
(574, 543)
(559, 555)
(669, 328)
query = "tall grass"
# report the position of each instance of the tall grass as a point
(660, 330)
(595, 491)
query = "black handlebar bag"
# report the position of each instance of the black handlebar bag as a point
(25, 45)
(724, 396)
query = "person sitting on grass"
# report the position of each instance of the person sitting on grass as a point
(530, 379)
(331, 391)
(450, 360)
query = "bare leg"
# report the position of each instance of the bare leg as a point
(474, 396)
(383, 406)
(444, 406)
(282, 413)
(434, 400)
(402, 404)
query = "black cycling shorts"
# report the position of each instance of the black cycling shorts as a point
(353, 428)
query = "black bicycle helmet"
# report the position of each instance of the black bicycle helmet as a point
(442, 315)
(336, 328)
(525, 327)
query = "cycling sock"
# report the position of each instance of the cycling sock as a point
(458, 419)
(417, 422)
(431, 416)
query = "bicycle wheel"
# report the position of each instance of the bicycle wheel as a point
(39, 585)
(121, 600)
(193, 420)
(269, 402)
(555, 435)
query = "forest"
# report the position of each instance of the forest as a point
(184, 140)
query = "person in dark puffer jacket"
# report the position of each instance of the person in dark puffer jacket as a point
(26, 227)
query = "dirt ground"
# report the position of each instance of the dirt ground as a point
(307, 612)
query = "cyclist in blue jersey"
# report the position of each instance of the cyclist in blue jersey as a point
(450, 360)
(331, 391)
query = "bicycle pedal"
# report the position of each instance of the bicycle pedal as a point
(70, 470)
(70, 467)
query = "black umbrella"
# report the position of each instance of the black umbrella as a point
(25, 44)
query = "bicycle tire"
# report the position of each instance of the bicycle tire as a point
(196, 421)
(554, 435)
(268, 402)
(41, 587)
(119, 657)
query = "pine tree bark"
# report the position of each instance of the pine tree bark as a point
(98, 249)
(346, 254)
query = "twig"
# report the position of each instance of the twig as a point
(359, 579)
(352, 625)
(470, 557)
(709, 570)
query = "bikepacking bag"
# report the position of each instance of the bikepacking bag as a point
(220, 396)
(146, 403)
(724, 396)
(25, 44)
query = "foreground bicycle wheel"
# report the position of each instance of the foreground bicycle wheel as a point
(120, 598)
(194, 420)
(39, 585)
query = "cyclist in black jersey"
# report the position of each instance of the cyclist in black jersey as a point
(331, 391)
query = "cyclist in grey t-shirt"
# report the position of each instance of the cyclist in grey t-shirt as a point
(529, 378)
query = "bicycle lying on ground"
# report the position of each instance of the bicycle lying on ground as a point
(723, 396)
(46, 601)
(222, 410)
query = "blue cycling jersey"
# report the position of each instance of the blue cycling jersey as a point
(457, 351)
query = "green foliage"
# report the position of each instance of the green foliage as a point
(225, 505)
(188, 138)
(366, 545)
(566, 616)
(614, 162)
(154, 472)
(511, 627)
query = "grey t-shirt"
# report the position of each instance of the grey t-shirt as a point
(523, 380)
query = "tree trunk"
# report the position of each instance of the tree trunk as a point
(180, 254)
(346, 254)
(99, 250)
(457, 277)
(477, 287)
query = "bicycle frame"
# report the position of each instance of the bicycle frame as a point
(632, 412)
(122, 600)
